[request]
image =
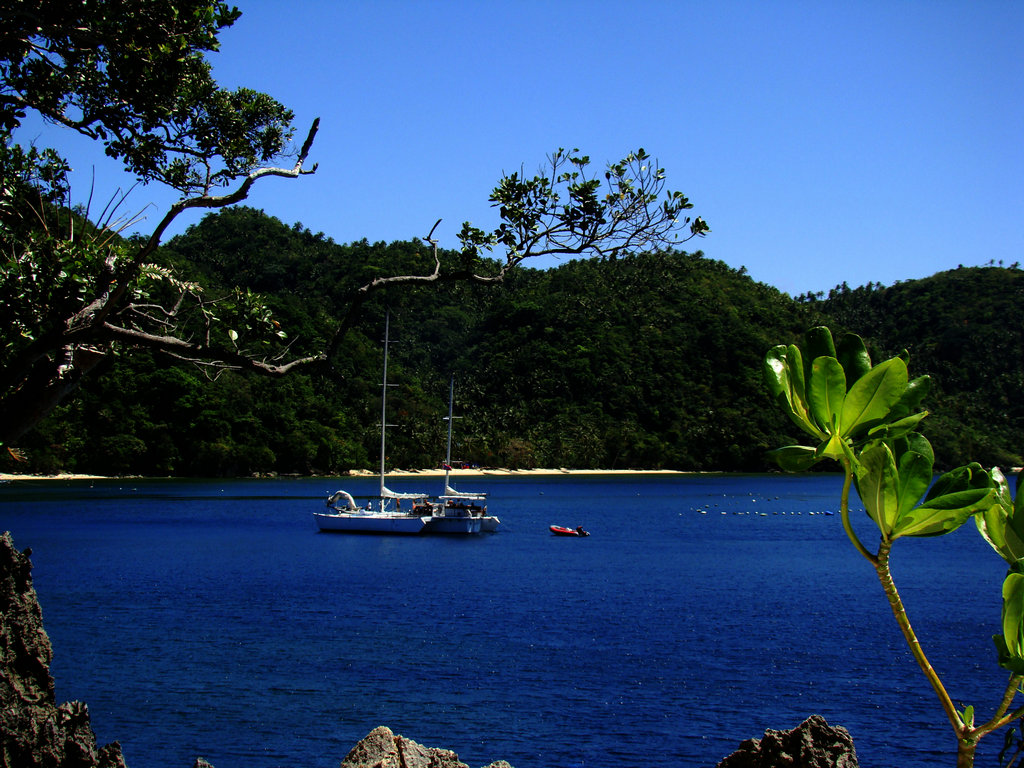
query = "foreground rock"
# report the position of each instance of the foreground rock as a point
(34, 731)
(812, 744)
(381, 748)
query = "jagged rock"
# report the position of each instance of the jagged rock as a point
(201, 763)
(381, 748)
(34, 731)
(812, 744)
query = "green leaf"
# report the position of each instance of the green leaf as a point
(784, 375)
(827, 392)
(819, 343)
(877, 483)
(915, 475)
(942, 515)
(912, 397)
(962, 478)
(1002, 523)
(870, 398)
(1011, 643)
(795, 458)
(853, 356)
(897, 429)
(953, 498)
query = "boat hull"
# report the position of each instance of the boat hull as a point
(356, 522)
(559, 530)
(453, 524)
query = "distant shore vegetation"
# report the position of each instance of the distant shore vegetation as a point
(649, 361)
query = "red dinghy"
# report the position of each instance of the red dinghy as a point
(559, 530)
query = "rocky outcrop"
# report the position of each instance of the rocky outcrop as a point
(381, 748)
(812, 744)
(34, 731)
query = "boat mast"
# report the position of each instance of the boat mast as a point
(448, 452)
(384, 405)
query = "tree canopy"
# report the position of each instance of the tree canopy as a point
(132, 75)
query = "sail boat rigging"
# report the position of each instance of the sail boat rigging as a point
(344, 516)
(455, 501)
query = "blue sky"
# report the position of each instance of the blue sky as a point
(822, 141)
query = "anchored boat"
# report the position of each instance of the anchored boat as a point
(383, 514)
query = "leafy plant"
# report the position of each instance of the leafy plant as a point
(865, 417)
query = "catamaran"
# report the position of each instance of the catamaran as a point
(460, 505)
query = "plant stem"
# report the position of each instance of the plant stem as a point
(844, 511)
(964, 735)
(965, 753)
(998, 719)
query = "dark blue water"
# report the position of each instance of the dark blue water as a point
(212, 619)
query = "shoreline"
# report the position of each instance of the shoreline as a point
(478, 472)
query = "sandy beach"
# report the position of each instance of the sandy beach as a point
(437, 472)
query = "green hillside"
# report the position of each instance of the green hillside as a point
(649, 361)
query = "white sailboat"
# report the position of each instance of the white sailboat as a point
(457, 505)
(386, 516)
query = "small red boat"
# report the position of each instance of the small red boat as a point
(558, 530)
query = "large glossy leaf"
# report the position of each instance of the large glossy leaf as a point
(915, 475)
(916, 442)
(853, 356)
(819, 343)
(784, 375)
(897, 429)
(870, 398)
(953, 498)
(826, 393)
(877, 483)
(1002, 524)
(795, 458)
(943, 514)
(1011, 644)
(912, 397)
(971, 475)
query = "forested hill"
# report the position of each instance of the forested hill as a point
(650, 361)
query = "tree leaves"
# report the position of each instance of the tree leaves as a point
(564, 210)
(864, 417)
(839, 408)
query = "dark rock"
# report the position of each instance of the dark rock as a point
(34, 731)
(812, 744)
(381, 748)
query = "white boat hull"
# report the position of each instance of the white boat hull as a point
(453, 524)
(370, 522)
(489, 523)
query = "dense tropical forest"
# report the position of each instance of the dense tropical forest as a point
(647, 361)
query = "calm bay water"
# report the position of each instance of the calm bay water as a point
(211, 619)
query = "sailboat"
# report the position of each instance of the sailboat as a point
(343, 515)
(457, 505)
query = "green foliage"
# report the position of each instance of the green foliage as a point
(964, 328)
(891, 479)
(645, 361)
(866, 419)
(565, 210)
(1002, 524)
(133, 76)
(840, 406)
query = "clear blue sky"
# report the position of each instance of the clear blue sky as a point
(822, 141)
